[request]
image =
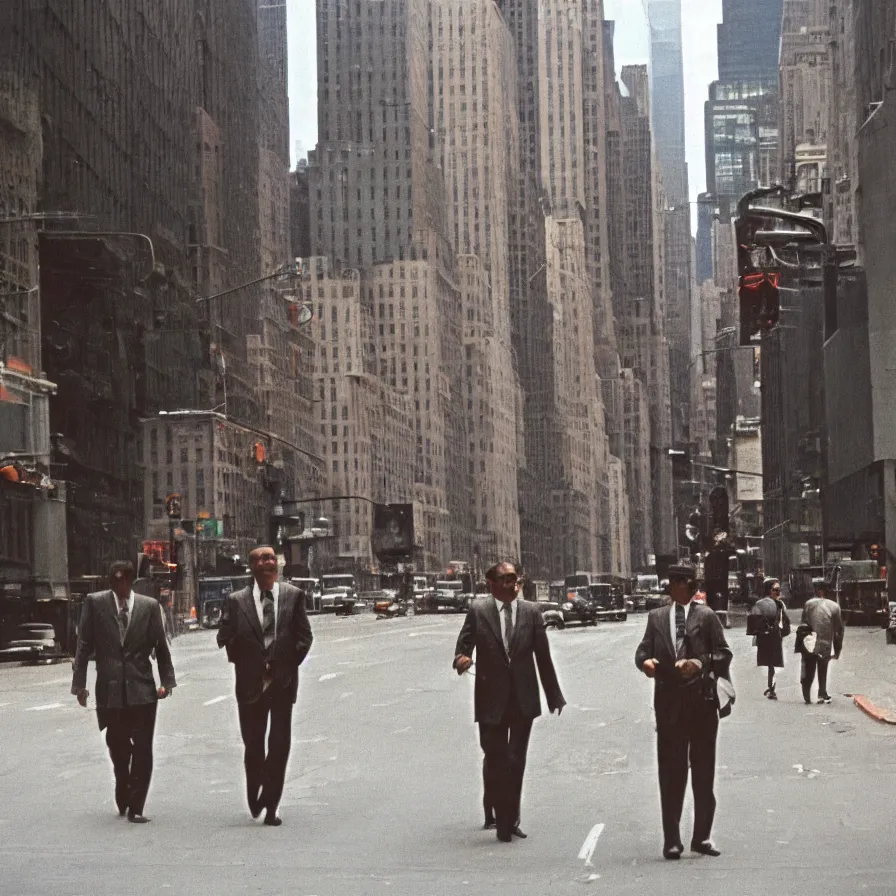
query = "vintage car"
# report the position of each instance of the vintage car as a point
(31, 642)
(608, 601)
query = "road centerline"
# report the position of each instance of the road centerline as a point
(590, 844)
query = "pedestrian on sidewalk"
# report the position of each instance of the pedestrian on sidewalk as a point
(823, 641)
(121, 629)
(684, 643)
(266, 633)
(509, 638)
(774, 627)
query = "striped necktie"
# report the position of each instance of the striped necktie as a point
(267, 610)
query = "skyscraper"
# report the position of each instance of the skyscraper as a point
(749, 38)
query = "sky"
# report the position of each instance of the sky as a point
(699, 20)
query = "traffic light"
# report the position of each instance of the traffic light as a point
(760, 302)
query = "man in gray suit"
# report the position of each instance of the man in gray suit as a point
(122, 629)
(683, 642)
(509, 643)
(823, 617)
(267, 636)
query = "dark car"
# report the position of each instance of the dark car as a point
(609, 601)
(31, 642)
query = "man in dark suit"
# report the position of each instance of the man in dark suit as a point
(509, 638)
(122, 629)
(267, 636)
(683, 642)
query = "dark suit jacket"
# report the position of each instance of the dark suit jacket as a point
(496, 671)
(123, 671)
(240, 633)
(705, 642)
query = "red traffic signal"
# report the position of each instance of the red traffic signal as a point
(760, 301)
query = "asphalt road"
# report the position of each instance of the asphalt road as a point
(383, 790)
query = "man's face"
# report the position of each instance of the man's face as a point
(263, 562)
(122, 581)
(680, 590)
(506, 583)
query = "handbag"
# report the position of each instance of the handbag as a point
(802, 632)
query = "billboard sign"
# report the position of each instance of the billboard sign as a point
(393, 531)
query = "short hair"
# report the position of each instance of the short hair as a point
(768, 584)
(261, 547)
(491, 574)
(122, 566)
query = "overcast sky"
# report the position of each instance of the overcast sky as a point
(700, 67)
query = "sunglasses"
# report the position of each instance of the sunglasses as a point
(509, 579)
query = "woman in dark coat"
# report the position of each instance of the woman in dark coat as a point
(770, 640)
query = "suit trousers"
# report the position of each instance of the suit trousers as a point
(505, 746)
(129, 734)
(266, 770)
(690, 739)
(811, 662)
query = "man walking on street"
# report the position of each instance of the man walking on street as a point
(825, 622)
(122, 629)
(267, 636)
(509, 638)
(683, 642)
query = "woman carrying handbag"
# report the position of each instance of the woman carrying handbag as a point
(769, 624)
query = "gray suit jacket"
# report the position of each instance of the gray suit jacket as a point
(823, 616)
(705, 641)
(240, 632)
(496, 671)
(124, 675)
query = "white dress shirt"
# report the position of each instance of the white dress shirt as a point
(513, 611)
(672, 626)
(130, 606)
(259, 606)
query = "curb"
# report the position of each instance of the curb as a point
(870, 709)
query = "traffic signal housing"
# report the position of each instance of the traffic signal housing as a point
(759, 297)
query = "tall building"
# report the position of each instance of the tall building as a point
(667, 122)
(748, 40)
(805, 95)
(378, 206)
(476, 135)
(667, 96)
(161, 180)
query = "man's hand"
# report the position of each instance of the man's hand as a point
(557, 709)
(163, 693)
(462, 663)
(82, 695)
(649, 668)
(689, 668)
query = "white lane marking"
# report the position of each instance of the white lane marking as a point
(215, 700)
(329, 676)
(590, 844)
(45, 706)
(5, 704)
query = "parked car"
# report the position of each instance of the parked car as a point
(338, 599)
(31, 642)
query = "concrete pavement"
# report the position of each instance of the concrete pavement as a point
(383, 790)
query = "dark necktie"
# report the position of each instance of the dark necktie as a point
(508, 625)
(268, 629)
(123, 620)
(679, 632)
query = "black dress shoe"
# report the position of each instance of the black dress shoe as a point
(138, 818)
(705, 848)
(273, 819)
(673, 852)
(517, 832)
